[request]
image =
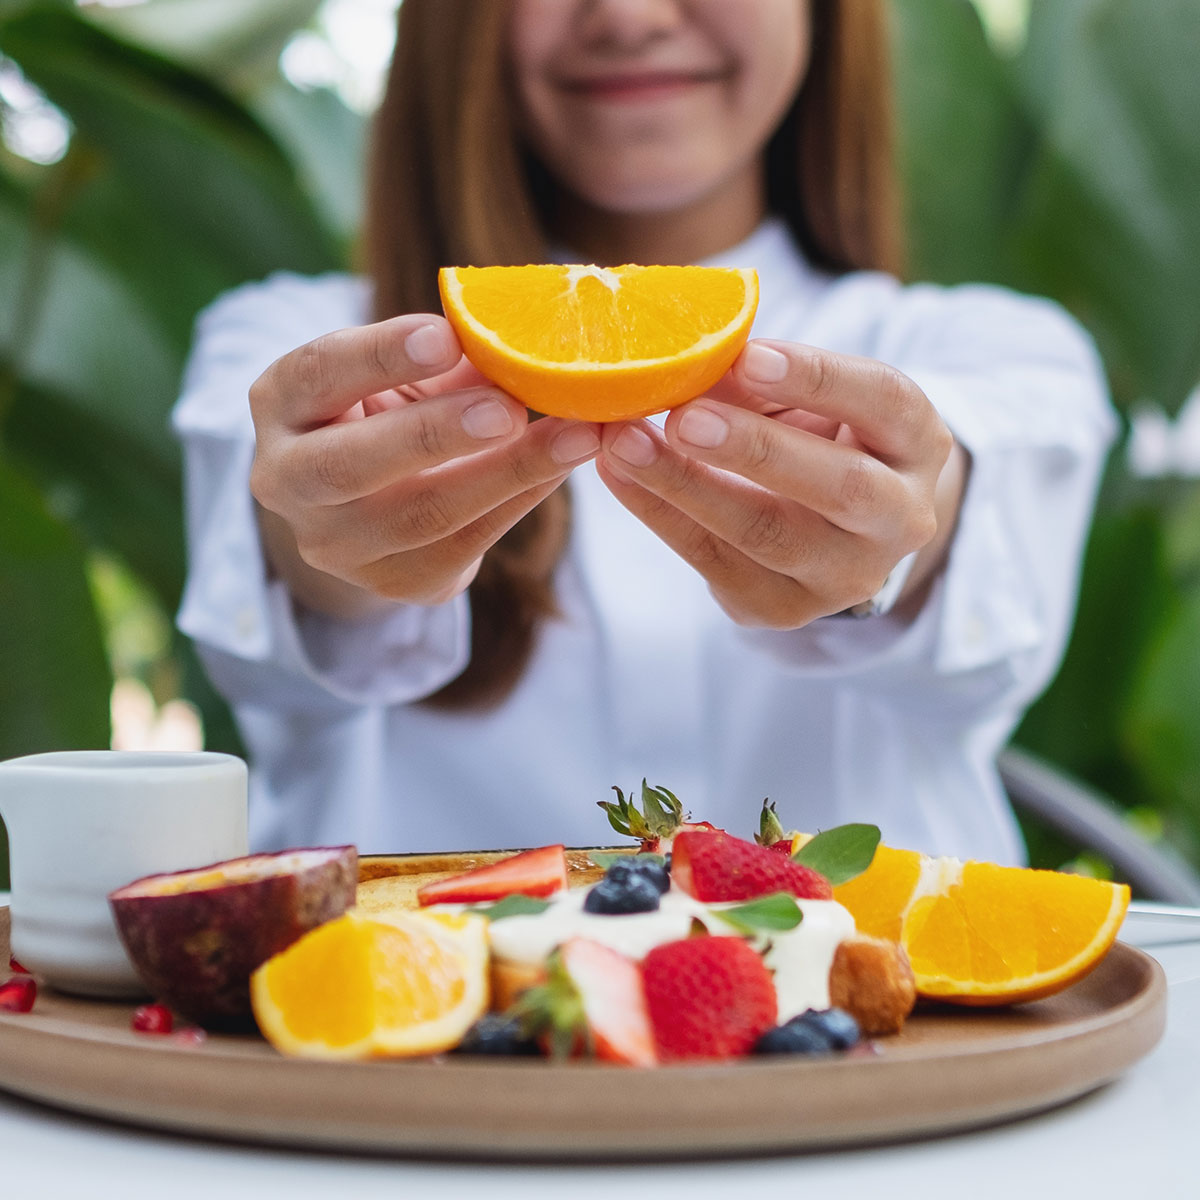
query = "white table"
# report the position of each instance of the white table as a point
(1139, 1136)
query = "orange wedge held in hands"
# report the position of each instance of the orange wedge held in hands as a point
(389, 985)
(601, 343)
(981, 934)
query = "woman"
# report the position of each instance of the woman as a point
(442, 624)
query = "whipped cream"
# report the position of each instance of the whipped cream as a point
(799, 958)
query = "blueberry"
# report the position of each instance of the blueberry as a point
(794, 1037)
(640, 865)
(496, 1034)
(836, 1023)
(632, 893)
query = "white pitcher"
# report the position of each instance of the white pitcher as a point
(84, 822)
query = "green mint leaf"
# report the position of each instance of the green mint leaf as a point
(606, 858)
(515, 905)
(840, 853)
(776, 913)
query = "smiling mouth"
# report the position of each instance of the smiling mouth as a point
(642, 86)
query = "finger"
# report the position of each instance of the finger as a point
(347, 460)
(887, 410)
(435, 505)
(771, 529)
(464, 374)
(836, 479)
(752, 594)
(435, 573)
(319, 381)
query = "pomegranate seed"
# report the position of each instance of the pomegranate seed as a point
(189, 1035)
(16, 967)
(18, 993)
(152, 1018)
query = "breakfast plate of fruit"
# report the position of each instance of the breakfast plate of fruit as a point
(685, 991)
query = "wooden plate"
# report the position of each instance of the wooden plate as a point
(950, 1069)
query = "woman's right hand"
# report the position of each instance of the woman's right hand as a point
(386, 465)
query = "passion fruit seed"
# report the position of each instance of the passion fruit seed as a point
(18, 994)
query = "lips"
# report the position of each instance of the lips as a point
(640, 85)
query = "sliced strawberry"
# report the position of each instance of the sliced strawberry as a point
(708, 997)
(540, 872)
(614, 1003)
(717, 866)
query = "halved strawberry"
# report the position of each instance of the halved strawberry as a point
(707, 997)
(656, 823)
(590, 1002)
(717, 866)
(614, 1002)
(540, 872)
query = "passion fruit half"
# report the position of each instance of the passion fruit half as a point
(194, 937)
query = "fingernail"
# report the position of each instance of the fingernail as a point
(702, 427)
(428, 345)
(635, 446)
(574, 443)
(764, 365)
(487, 419)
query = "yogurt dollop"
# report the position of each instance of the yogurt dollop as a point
(799, 958)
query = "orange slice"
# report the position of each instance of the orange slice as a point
(357, 987)
(977, 933)
(601, 343)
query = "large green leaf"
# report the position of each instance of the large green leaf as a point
(56, 677)
(326, 140)
(1162, 726)
(229, 39)
(964, 143)
(81, 333)
(1128, 595)
(1113, 226)
(197, 158)
(121, 494)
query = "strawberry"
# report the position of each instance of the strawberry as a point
(540, 872)
(655, 825)
(593, 1001)
(717, 866)
(708, 997)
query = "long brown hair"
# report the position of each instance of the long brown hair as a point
(450, 183)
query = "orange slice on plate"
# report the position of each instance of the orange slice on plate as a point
(981, 934)
(385, 985)
(601, 343)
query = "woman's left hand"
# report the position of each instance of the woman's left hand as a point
(797, 484)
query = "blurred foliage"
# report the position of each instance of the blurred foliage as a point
(1066, 165)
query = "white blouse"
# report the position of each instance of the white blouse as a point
(643, 676)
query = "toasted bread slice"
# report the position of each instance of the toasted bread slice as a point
(872, 979)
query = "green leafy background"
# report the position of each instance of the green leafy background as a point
(1062, 161)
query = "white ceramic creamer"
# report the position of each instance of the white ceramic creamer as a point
(82, 823)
